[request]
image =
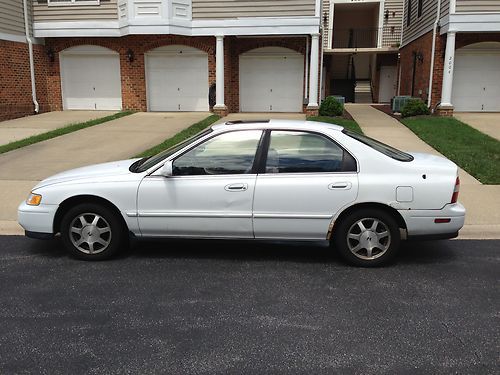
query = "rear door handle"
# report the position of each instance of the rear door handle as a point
(236, 187)
(340, 186)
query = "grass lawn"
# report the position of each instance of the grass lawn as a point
(346, 123)
(477, 153)
(58, 132)
(179, 137)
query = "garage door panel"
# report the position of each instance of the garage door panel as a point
(91, 81)
(271, 83)
(476, 81)
(177, 83)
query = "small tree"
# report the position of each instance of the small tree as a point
(414, 107)
(331, 107)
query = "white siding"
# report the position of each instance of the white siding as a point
(419, 25)
(11, 17)
(477, 6)
(106, 10)
(203, 9)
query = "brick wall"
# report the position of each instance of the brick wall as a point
(15, 80)
(133, 74)
(423, 45)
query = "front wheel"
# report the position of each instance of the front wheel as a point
(92, 232)
(367, 238)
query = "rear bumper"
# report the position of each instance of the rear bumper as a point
(420, 223)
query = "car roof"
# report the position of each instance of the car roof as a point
(276, 124)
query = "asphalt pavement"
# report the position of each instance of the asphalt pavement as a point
(199, 307)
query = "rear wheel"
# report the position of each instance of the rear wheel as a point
(367, 238)
(92, 232)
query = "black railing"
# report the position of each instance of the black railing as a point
(366, 38)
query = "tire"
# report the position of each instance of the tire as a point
(367, 238)
(104, 233)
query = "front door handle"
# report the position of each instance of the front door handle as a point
(340, 186)
(236, 187)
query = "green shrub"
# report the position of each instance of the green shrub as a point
(414, 107)
(331, 107)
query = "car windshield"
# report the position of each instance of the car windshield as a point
(380, 147)
(148, 162)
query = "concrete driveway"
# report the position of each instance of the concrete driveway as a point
(24, 127)
(119, 139)
(487, 123)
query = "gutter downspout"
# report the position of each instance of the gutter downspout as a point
(29, 39)
(433, 52)
(306, 86)
(322, 34)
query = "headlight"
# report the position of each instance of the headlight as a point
(34, 199)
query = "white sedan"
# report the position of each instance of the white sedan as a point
(272, 179)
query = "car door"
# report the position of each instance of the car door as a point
(210, 191)
(307, 179)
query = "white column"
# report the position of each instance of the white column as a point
(219, 73)
(380, 28)
(313, 72)
(448, 70)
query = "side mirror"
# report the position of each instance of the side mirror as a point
(167, 169)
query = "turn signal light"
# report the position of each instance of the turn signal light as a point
(454, 197)
(34, 199)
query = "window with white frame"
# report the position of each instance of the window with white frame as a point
(72, 2)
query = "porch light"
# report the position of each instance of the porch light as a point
(130, 55)
(51, 55)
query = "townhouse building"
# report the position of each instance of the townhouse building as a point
(361, 40)
(160, 55)
(450, 54)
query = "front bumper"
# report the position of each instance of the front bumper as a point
(37, 219)
(420, 223)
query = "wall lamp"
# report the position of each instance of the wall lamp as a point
(420, 57)
(51, 55)
(130, 56)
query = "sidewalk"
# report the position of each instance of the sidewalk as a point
(487, 123)
(118, 139)
(481, 201)
(24, 127)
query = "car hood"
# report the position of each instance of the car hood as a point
(115, 168)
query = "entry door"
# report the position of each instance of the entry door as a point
(271, 83)
(177, 81)
(210, 193)
(303, 188)
(387, 83)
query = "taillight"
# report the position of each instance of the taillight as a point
(454, 197)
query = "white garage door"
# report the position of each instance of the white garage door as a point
(476, 78)
(271, 80)
(90, 78)
(177, 79)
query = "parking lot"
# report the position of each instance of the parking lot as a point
(242, 307)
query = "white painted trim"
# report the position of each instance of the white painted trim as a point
(13, 37)
(355, 1)
(380, 23)
(471, 22)
(452, 6)
(244, 26)
(330, 24)
(61, 3)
